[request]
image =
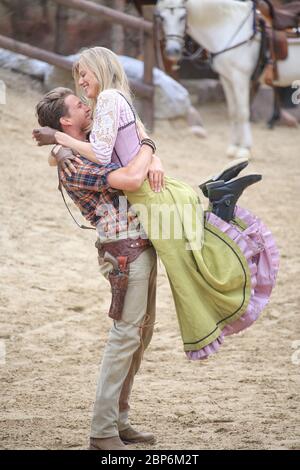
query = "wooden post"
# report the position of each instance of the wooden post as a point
(117, 31)
(61, 19)
(149, 62)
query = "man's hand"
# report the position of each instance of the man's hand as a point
(156, 174)
(65, 159)
(44, 136)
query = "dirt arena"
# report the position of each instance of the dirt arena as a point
(53, 304)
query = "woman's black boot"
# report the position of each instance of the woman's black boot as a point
(224, 196)
(230, 171)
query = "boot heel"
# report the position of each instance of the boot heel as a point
(225, 196)
(229, 172)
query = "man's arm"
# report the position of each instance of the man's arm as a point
(128, 178)
(131, 177)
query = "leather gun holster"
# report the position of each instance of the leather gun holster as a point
(118, 279)
(120, 254)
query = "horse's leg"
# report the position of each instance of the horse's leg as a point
(195, 123)
(231, 104)
(276, 109)
(254, 89)
(241, 86)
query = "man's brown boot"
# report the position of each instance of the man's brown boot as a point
(131, 436)
(107, 443)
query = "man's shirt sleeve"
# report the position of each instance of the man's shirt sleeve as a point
(90, 178)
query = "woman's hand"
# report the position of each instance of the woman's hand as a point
(44, 136)
(65, 159)
(156, 174)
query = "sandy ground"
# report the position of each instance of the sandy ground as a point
(53, 305)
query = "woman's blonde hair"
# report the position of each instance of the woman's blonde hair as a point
(108, 71)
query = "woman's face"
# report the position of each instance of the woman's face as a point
(88, 82)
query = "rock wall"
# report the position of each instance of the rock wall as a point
(56, 28)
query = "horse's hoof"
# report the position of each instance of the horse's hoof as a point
(243, 152)
(232, 151)
(198, 131)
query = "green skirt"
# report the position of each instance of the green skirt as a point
(211, 283)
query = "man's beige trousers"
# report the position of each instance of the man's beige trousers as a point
(128, 338)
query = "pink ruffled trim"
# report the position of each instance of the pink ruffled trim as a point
(262, 255)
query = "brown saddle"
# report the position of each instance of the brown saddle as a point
(283, 17)
(281, 23)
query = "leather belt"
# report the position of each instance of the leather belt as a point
(131, 248)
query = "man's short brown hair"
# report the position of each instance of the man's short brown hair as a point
(52, 107)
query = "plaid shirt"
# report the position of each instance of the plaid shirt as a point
(101, 205)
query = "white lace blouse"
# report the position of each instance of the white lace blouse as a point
(114, 135)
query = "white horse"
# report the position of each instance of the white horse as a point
(226, 28)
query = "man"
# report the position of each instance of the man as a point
(88, 184)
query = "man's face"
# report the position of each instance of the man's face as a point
(79, 114)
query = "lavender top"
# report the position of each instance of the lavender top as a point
(114, 135)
